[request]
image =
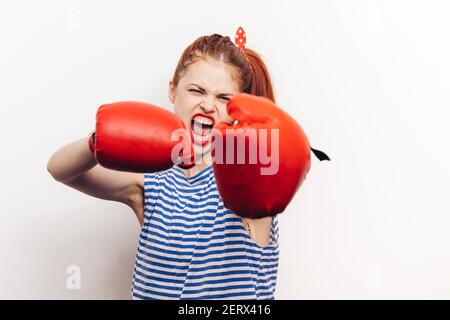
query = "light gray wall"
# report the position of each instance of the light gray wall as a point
(367, 80)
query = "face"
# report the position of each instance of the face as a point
(201, 98)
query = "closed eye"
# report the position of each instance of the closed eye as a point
(198, 91)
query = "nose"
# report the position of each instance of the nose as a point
(207, 106)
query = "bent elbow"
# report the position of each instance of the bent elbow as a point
(51, 169)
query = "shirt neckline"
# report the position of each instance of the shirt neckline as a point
(198, 177)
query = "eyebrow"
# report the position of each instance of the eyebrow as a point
(201, 89)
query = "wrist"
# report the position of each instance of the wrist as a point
(91, 141)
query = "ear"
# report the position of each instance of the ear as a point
(171, 92)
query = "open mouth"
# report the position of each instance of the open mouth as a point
(201, 127)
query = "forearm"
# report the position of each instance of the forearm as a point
(71, 160)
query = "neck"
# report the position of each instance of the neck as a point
(201, 164)
(195, 169)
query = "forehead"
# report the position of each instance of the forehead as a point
(212, 75)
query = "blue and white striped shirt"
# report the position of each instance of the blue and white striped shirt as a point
(192, 247)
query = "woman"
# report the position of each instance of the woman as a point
(190, 246)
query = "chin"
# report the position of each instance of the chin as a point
(203, 153)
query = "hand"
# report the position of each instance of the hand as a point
(276, 157)
(136, 137)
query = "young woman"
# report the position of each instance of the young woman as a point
(190, 246)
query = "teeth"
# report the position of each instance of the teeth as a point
(202, 120)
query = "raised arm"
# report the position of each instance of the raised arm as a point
(75, 166)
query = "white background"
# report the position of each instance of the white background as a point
(367, 80)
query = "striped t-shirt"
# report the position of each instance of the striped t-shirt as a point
(192, 247)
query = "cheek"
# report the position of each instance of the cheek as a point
(183, 107)
(223, 114)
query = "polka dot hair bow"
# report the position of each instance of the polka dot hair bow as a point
(240, 39)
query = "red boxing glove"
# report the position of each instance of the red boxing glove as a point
(137, 137)
(264, 186)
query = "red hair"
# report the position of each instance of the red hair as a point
(254, 81)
